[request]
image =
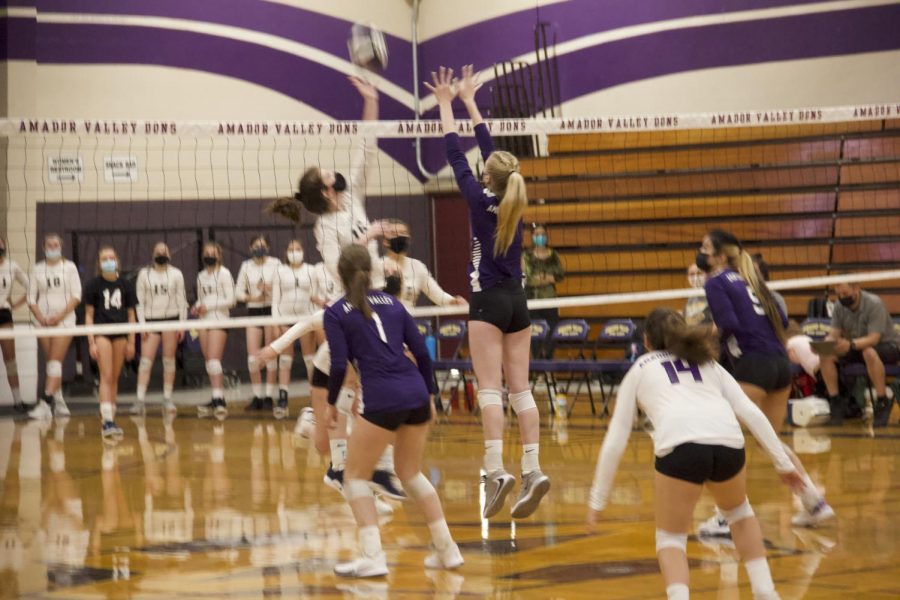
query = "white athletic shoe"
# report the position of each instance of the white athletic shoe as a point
(535, 486)
(41, 411)
(497, 485)
(715, 526)
(306, 423)
(817, 517)
(137, 407)
(448, 558)
(60, 408)
(364, 566)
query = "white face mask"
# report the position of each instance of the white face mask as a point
(295, 257)
(696, 280)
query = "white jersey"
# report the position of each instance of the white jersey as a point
(254, 282)
(349, 224)
(10, 272)
(327, 288)
(160, 294)
(418, 280)
(686, 403)
(215, 291)
(292, 291)
(51, 287)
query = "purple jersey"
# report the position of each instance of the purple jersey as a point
(390, 380)
(485, 270)
(740, 317)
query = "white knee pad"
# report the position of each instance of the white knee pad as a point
(214, 367)
(11, 367)
(145, 365)
(666, 539)
(345, 400)
(489, 398)
(253, 364)
(322, 360)
(285, 362)
(54, 368)
(418, 486)
(522, 401)
(272, 365)
(739, 513)
(308, 361)
(168, 365)
(356, 488)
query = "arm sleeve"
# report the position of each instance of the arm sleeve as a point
(416, 344)
(142, 295)
(224, 292)
(181, 296)
(276, 293)
(337, 343)
(429, 285)
(466, 181)
(485, 142)
(615, 441)
(32, 294)
(314, 322)
(74, 281)
(242, 286)
(362, 154)
(750, 415)
(721, 307)
(20, 276)
(330, 251)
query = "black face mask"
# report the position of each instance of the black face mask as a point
(2, 252)
(702, 261)
(259, 252)
(162, 259)
(340, 184)
(399, 244)
(393, 284)
(210, 261)
(846, 301)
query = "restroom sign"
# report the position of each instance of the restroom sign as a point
(65, 169)
(120, 168)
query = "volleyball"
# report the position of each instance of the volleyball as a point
(367, 47)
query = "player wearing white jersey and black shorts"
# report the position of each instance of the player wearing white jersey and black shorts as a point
(694, 405)
(10, 273)
(161, 297)
(215, 297)
(109, 300)
(254, 286)
(54, 290)
(293, 288)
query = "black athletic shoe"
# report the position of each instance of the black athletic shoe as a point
(837, 406)
(255, 404)
(385, 483)
(206, 410)
(281, 409)
(882, 408)
(267, 403)
(219, 408)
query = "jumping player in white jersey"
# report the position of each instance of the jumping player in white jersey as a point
(215, 297)
(293, 289)
(254, 286)
(692, 402)
(161, 297)
(10, 273)
(54, 290)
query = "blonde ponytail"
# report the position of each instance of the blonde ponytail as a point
(743, 264)
(509, 185)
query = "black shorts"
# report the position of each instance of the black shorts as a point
(319, 378)
(504, 306)
(113, 337)
(167, 319)
(888, 352)
(5, 316)
(393, 419)
(767, 371)
(260, 311)
(699, 463)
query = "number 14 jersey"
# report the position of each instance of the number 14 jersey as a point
(110, 299)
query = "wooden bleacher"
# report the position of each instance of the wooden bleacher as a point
(626, 211)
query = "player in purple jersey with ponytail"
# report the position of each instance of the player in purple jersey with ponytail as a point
(751, 326)
(499, 324)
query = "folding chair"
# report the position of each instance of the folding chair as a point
(616, 334)
(540, 330)
(569, 335)
(817, 329)
(454, 332)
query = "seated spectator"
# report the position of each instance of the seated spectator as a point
(696, 311)
(864, 333)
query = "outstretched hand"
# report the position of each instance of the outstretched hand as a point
(365, 89)
(793, 480)
(445, 86)
(469, 84)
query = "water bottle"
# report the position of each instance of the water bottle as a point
(632, 355)
(431, 346)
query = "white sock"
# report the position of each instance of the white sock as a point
(370, 540)
(440, 534)
(218, 393)
(257, 390)
(678, 591)
(530, 454)
(107, 413)
(58, 397)
(270, 390)
(284, 388)
(386, 461)
(338, 454)
(760, 576)
(493, 455)
(17, 396)
(167, 391)
(141, 392)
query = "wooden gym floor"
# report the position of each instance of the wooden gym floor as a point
(201, 509)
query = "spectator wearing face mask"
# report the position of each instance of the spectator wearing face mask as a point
(864, 333)
(696, 311)
(543, 270)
